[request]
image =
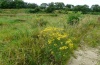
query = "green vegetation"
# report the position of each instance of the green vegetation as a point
(44, 39)
(49, 7)
(73, 17)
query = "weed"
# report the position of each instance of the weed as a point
(57, 45)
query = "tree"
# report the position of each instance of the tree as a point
(69, 7)
(50, 8)
(59, 5)
(83, 8)
(43, 5)
(32, 5)
(95, 8)
(12, 4)
(18, 0)
(6, 0)
(5, 3)
(37, 9)
(19, 4)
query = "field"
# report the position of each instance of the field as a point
(44, 39)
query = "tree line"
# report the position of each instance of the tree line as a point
(48, 7)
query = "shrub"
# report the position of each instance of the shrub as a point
(53, 15)
(95, 13)
(60, 12)
(40, 22)
(37, 9)
(49, 9)
(73, 18)
(57, 47)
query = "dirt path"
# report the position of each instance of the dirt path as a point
(86, 56)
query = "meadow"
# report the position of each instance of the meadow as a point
(44, 39)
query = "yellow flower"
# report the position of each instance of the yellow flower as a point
(68, 41)
(55, 44)
(63, 47)
(58, 38)
(49, 41)
(52, 52)
(71, 45)
(61, 42)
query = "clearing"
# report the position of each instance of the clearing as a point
(86, 56)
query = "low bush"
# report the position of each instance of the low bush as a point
(57, 47)
(95, 13)
(49, 10)
(60, 12)
(73, 18)
(35, 10)
(40, 22)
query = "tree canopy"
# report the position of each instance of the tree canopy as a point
(48, 7)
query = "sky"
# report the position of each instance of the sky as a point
(74, 2)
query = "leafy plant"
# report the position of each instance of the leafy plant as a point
(40, 22)
(73, 18)
(58, 46)
(37, 9)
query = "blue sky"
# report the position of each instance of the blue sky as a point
(74, 2)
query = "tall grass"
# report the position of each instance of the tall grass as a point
(20, 43)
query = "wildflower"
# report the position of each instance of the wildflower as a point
(58, 38)
(68, 41)
(63, 47)
(71, 45)
(52, 52)
(55, 44)
(61, 42)
(49, 41)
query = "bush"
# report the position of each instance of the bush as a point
(73, 18)
(40, 22)
(49, 9)
(60, 12)
(37, 9)
(95, 13)
(57, 47)
(53, 15)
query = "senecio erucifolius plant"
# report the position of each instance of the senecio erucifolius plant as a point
(57, 44)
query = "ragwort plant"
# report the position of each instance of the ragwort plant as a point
(58, 46)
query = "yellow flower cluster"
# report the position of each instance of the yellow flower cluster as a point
(53, 32)
(63, 48)
(50, 41)
(56, 42)
(51, 29)
(56, 39)
(60, 36)
(70, 43)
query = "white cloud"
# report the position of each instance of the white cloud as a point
(74, 2)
